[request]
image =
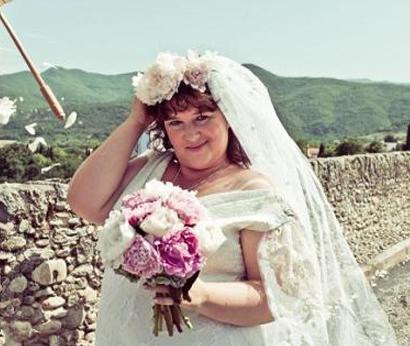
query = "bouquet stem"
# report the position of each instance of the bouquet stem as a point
(157, 318)
(186, 320)
(173, 315)
(168, 320)
(176, 317)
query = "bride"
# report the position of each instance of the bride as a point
(285, 275)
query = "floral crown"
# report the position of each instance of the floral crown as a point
(162, 79)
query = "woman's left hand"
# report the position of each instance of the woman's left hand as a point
(198, 294)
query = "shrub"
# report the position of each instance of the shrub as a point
(349, 147)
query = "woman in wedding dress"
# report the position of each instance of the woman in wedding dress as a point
(285, 275)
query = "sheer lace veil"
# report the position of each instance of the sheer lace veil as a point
(333, 303)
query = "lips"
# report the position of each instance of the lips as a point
(195, 147)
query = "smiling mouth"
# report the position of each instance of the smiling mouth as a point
(196, 147)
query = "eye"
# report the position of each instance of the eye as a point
(202, 118)
(174, 123)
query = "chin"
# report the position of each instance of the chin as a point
(196, 162)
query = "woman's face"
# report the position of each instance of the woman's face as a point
(199, 138)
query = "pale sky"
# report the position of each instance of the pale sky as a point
(347, 39)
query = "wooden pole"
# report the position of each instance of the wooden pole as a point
(44, 88)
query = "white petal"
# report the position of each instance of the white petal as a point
(47, 64)
(31, 128)
(33, 146)
(7, 109)
(46, 169)
(70, 120)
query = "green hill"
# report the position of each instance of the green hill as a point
(310, 108)
(325, 108)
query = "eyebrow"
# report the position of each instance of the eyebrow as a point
(173, 117)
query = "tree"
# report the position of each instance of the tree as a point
(390, 139)
(375, 147)
(349, 147)
(407, 145)
(322, 150)
(17, 163)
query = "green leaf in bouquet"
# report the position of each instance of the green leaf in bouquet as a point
(166, 280)
(129, 276)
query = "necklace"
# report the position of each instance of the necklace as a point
(202, 181)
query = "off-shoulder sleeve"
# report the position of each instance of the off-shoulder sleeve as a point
(259, 210)
(290, 278)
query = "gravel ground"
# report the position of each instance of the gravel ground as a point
(393, 291)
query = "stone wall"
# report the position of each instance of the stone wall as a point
(50, 273)
(371, 198)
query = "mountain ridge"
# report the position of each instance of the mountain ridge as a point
(312, 108)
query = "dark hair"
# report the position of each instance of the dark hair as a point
(183, 99)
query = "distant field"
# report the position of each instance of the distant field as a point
(379, 136)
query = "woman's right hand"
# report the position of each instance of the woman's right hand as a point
(139, 114)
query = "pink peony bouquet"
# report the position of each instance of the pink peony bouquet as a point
(161, 234)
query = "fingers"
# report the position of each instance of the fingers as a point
(162, 296)
(164, 300)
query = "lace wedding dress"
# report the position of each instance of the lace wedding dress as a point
(316, 292)
(125, 308)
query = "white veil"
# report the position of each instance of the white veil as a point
(324, 298)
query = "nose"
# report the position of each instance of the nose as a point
(191, 134)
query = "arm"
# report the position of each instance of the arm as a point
(94, 185)
(239, 303)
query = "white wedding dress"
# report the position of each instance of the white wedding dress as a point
(316, 292)
(125, 308)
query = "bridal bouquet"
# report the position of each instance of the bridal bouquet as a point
(161, 234)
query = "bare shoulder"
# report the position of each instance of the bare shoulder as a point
(249, 179)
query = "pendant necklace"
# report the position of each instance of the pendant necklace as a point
(202, 181)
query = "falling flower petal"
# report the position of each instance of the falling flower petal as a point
(46, 169)
(47, 64)
(70, 120)
(7, 109)
(2, 2)
(31, 128)
(33, 146)
(21, 98)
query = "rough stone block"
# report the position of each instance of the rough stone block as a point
(50, 272)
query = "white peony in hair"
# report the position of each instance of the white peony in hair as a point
(162, 79)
